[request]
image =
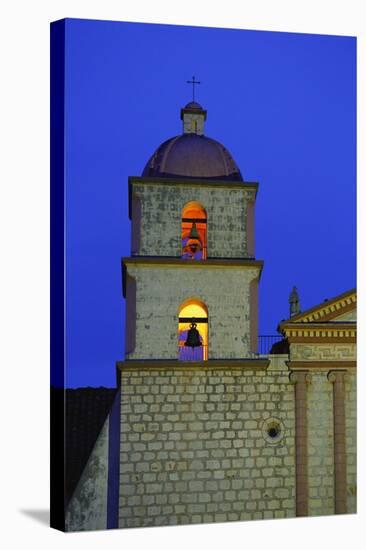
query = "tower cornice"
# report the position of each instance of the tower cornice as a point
(200, 182)
(172, 260)
(249, 363)
(204, 182)
(179, 263)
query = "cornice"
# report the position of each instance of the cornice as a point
(320, 333)
(314, 365)
(231, 184)
(179, 263)
(163, 261)
(175, 364)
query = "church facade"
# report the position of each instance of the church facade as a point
(203, 428)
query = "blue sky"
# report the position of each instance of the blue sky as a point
(284, 104)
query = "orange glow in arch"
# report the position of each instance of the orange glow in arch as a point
(189, 311)
(194, 213)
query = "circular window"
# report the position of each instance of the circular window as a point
(272, 430)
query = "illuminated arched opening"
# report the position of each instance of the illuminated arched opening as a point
(193, 311)
(194, 218)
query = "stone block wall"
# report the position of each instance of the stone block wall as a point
(160, 291)
(160, 212)
(320, 444)
(194, 445)
(320, 419)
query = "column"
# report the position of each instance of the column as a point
(301, 379)
(339, 434)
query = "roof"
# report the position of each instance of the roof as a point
(192, 156)
(329, 311)
(86, 412)
(194, 105)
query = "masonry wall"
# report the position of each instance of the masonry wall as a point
(320, 423)
(160, 290)
(194, 445)
(320, 444)
(160, 212)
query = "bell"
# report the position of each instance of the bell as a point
(193, 337)
(194, 242)
(193, 234)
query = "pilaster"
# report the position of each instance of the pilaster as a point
(301, 379)
(339, 429)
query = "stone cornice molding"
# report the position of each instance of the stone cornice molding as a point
(187, 182)
(318, 333)
(179, 262)
(310, 365)
(175, 364)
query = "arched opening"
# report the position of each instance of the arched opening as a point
(194, 232)
(193, 314)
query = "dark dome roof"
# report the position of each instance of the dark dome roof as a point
(192, 156)
(193, 105)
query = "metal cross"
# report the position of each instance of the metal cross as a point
(193, 82)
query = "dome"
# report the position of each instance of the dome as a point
(192, 156)
(194, 105)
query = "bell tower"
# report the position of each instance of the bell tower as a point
(191, 281)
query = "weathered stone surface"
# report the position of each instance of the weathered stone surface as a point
(160, 293)
(227, 464)
(161, 211)
(231, 476)
(323, 352)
